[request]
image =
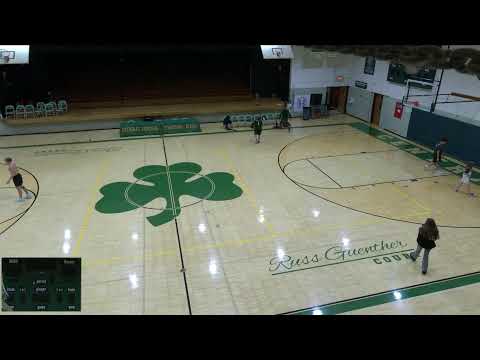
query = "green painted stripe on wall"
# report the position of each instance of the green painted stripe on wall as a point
(393, 295)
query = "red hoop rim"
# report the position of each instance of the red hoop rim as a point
(414, 103)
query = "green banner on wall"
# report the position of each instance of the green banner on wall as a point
(158, 127)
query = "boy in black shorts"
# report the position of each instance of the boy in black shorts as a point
(438, 152)
(17, 179)
(284, 123)
(257, 126)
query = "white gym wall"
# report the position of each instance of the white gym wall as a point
(313, 73)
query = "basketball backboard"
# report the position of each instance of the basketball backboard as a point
(14, 54)
(277, 51)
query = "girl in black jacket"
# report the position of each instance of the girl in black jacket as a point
(427, 235)
(227, 123)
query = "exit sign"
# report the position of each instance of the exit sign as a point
(339, 78)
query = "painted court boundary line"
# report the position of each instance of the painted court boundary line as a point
(422, 146)
(399, 144)
(341, 187)
(323, 172)
(391, 296)
(411, 148)
(159, 137)
(19, 216)
(172, 199)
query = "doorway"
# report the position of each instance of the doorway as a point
(337, 98)
(376, 109)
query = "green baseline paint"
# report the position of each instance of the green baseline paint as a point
(423, 154)
(169, 184)
(389, 297)
(159, 136)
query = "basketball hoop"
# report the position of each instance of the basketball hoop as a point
(278, 52)
(6, 56)
(413, 103)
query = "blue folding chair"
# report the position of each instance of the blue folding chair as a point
(20, 111)
(50, 108)
(9, 111)
(240, 120)
(40, 109)
(29, 110)
(62, 106)
(248, 120)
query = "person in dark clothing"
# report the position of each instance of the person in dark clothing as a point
(257, 126)
(284, 123)
(427, 235)
(227, 123)
(438, 152)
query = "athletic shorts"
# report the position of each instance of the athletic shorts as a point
(18, 180)
(465, 179)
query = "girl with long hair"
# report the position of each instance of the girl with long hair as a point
(427, 235)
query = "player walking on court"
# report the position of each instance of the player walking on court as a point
(257, 126)
(438, 152)
(284, 115)
(465, 180)
(427, 235)
(17, 179)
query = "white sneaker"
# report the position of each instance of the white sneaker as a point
(29, 196)
(20, 200)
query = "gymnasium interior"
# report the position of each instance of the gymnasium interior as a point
(151, 195)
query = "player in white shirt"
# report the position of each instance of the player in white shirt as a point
(465, 180)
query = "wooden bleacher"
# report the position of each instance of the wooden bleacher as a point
(113, 95)
(152, 99)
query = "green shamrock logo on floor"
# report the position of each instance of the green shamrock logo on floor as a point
(157, 181)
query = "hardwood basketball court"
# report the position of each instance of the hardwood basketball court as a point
(329, 232)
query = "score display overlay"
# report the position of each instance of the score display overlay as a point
(42, 284)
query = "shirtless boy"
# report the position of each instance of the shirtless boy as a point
(17, 179)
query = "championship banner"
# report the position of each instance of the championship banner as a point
(300, 102)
